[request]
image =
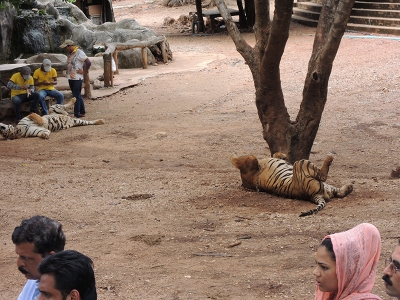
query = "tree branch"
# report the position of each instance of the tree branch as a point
(241, 45)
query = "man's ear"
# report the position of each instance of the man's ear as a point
(74, 295)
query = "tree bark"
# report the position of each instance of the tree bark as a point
(294, 138)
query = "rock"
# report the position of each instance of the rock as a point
(395, 173)
(6, 16)
(36, 32)
(97, 84)
(54, 58)
(160, 135)
(132, 58)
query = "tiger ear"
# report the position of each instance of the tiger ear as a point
(280, 155)
(245, 164)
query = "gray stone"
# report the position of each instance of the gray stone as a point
(6, 21)
(132, 58)
(37, 33)
(54, 58)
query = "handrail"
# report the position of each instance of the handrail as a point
(113, 48)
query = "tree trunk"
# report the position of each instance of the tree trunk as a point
(294, 138)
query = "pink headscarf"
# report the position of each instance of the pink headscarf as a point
(357, 254)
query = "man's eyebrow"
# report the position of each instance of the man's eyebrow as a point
(396, 262)
(44, 292)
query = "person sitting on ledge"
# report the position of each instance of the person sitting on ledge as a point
(45, 78)
(22, 89)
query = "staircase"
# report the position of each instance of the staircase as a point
(375, 16)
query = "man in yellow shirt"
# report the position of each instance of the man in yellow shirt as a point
(45, 79)
(22, 89)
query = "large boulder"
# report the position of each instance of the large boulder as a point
(44, 24)
(6, 20)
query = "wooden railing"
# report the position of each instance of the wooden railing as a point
(112, 52)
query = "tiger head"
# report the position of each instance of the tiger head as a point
(60, 109)
(249, 170)
(7, 131)
(57, 109)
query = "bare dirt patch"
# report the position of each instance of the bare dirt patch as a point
(151, 195)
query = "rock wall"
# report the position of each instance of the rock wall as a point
(6, 21)
(42, 27)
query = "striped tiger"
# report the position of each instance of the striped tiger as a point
(302, 180)
(34, 125)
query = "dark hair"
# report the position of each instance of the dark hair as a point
(327, 243)
(45, 233)
(72, 271)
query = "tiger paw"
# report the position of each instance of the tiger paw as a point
(329, 159)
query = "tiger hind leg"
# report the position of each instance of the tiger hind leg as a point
(325, 168)
(45, 134)
(36, 118)
(343, 191)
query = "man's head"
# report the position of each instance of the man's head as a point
(67, 273)
(35, 239)
(391, 273)
(26, 72)
(46, 65)
(67, 45)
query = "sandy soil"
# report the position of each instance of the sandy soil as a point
(152, 198)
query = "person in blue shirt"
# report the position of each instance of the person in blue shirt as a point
(35, 239)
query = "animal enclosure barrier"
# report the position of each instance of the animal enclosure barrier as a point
(112, 52)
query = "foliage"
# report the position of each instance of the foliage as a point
(14, 3)
(17, 3)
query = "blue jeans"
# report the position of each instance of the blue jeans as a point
(17, 100)
(51, 93)
(76, 89)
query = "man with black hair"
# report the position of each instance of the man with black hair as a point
(35, 239)
(67, 275)
(391, 273)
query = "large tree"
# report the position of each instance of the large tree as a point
(292, 137)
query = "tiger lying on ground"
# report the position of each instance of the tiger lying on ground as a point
(302, 181)
(34, 125)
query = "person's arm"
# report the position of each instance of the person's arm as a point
(12, 86)
(87, 65)
(38, 83)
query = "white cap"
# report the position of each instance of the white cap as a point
(47, 64)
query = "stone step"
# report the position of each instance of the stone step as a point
(312, 15)
(384, 13)
(381, 1)
(377, 16)
(304, 21)
(376, 21)
(311, 6)
(376, 5)
(373, 29)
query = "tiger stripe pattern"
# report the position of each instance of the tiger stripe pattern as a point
(34, 125)
(302, 180)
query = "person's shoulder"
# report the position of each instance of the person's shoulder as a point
(28, 290)
(37, 71)
(81, 53)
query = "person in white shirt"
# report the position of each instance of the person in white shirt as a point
(78, 65)
(35, 239)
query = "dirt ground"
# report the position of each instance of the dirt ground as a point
(151, 195)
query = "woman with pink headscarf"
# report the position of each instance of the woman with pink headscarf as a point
(346, 264)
